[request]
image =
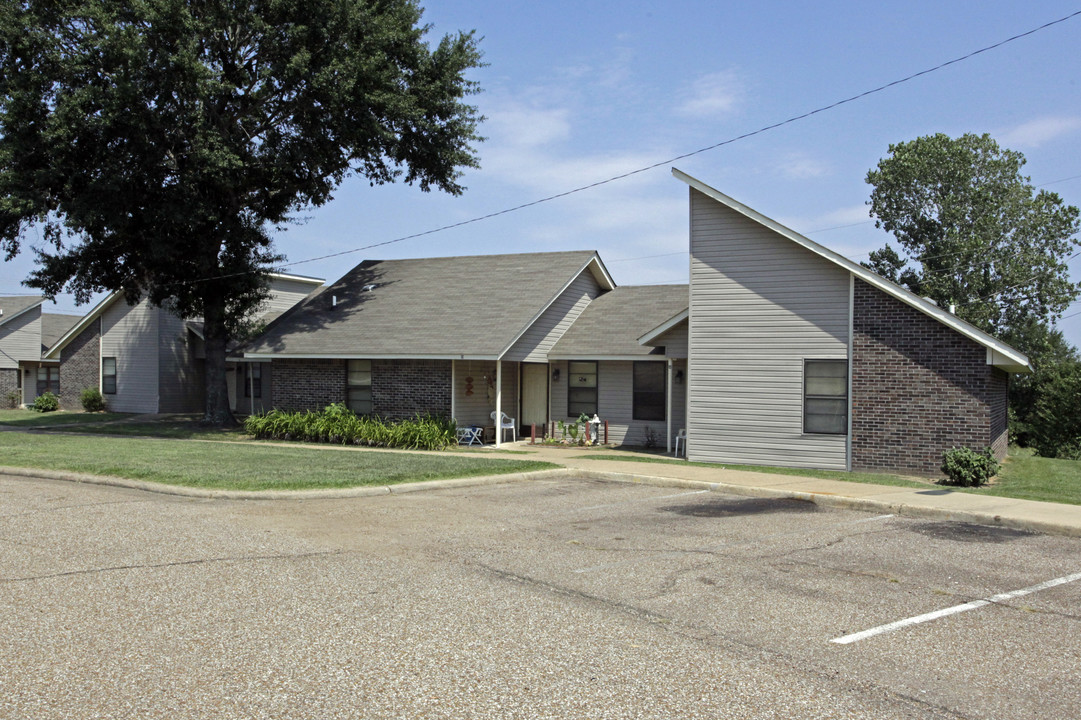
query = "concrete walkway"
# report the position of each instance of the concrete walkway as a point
(934, 501)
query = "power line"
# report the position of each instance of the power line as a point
(668, 161)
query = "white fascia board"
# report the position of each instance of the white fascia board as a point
(73, 333)
(20, 313)
(664, 327)
(600, 274)
(298, 278)
(360, 356)
(1011, 356)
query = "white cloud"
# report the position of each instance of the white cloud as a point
(801, 166)
(1039, 131)
(712, 95)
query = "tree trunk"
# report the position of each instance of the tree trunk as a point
(215, 338)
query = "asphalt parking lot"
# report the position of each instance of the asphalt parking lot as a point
(549, 599)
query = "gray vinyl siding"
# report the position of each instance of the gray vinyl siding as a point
(759, 306)
(615, 403)
(477, 409)
(180, 378)
(130, 334)
(543, 334)
(674, 341)
(284, 294)
(20, 339)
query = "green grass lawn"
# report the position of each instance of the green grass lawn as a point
(1028, 477)
(237, 466)
(31, 418)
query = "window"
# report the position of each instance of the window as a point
(253, 380)
(825, 396)
(48, 380)
(108, 375)
(581, 389)
(649, 395)
(359, 387)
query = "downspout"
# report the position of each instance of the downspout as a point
(453, 385)
(851, 364)
(251, 389)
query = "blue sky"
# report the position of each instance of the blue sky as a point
(575, 93)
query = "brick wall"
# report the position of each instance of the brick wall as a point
(403, 388)
(80, 366)
(9, 382)
(918, 388)
(307, 384)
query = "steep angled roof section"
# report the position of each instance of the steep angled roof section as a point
(13, 307)
(450, 307)
(998, 353)
(610, 327)
(54, 326)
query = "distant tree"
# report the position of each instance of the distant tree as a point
(1048, 352)
(973, 232)
(158, 143)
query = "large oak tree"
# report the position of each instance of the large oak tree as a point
(973, 232)
(158, 143)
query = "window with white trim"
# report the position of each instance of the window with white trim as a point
(649, 391)
(359, 387)
(581, 389)
(108, 376)
(253, 380)
(48, 379)
(825, 397)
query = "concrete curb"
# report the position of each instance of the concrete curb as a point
(329, 493)
(824, 499)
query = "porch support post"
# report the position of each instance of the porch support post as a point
(498, 402)
(668, 407)
(453, 414)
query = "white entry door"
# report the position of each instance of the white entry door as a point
(534, 397)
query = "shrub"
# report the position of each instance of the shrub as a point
(92, 400)
(649, 437)
(46, 402)
(14, 399)
(339, 425)
(967, 467)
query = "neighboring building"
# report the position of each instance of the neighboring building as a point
(801, 357)
(144, 359)
(20, 341)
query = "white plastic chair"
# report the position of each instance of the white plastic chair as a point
(681, 435)
(507, 423)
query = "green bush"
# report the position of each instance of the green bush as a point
(46, 402)
(92, 400)
(966, 467)
(14, 399)
(339, 425)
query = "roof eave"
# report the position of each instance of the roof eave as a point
(78, 327)
(664, 327)
(1011, 356)
(20, 313)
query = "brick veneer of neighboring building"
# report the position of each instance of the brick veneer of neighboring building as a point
(9, 383)
(307, 384)
(404, 388)
(80, 366)
(918, 388)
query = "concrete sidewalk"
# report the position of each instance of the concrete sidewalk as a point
(934, 501)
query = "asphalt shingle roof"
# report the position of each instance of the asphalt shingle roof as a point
(54, 326)
(12, 306)
(611, 325)
(437, 307)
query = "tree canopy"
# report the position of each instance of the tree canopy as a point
(158, 143)
(973, 232)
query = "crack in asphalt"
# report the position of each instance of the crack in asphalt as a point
(178, 563)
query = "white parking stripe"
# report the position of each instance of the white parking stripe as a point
(1002, 597)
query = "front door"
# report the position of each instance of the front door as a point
(534, 397)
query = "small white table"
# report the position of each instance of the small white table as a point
(470, 435)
